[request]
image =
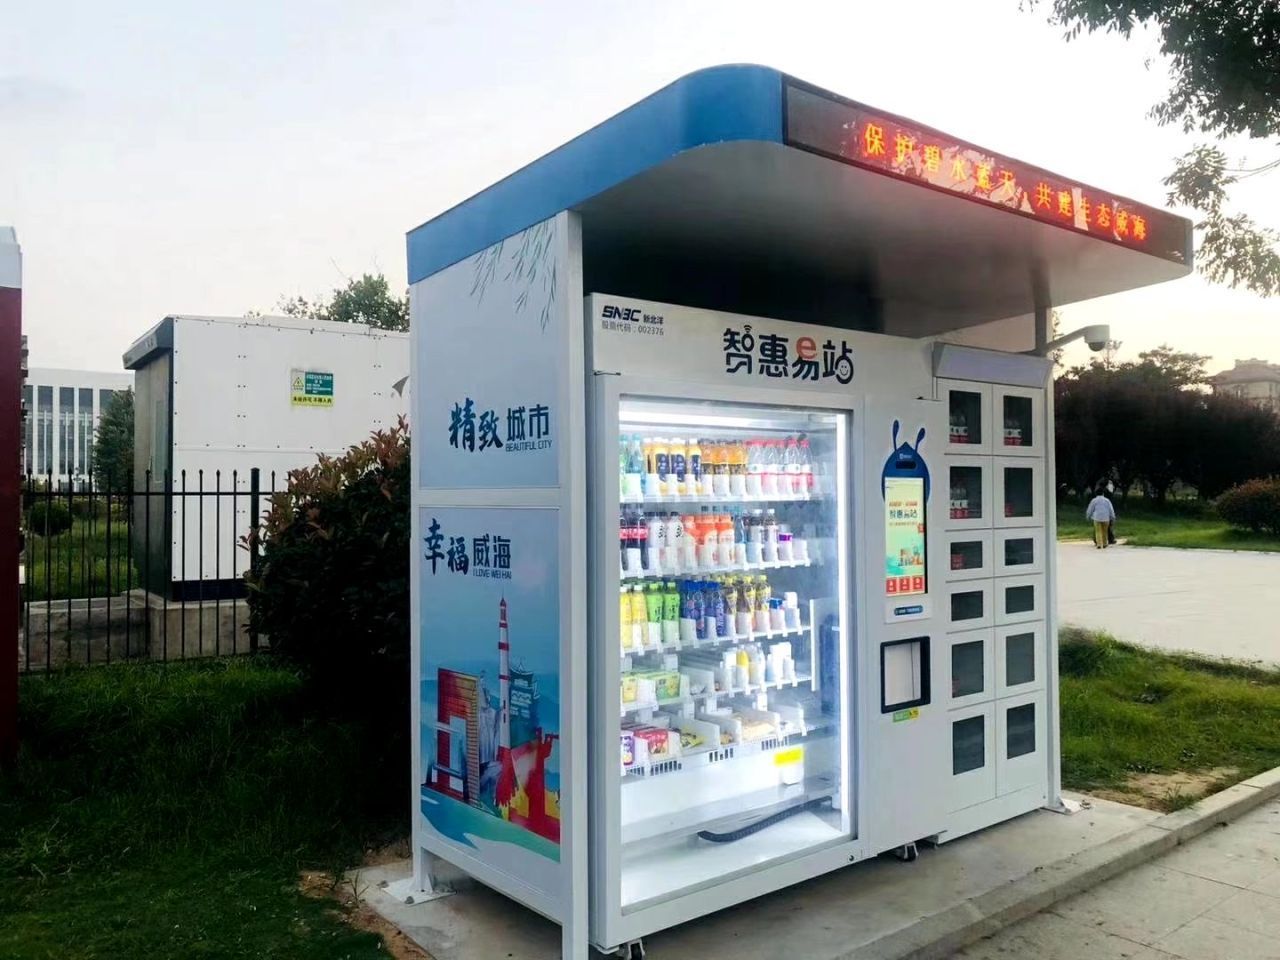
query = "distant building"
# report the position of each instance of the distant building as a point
(1254, 380)
(62, 412)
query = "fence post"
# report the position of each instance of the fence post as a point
(11, 375)
(255, 479)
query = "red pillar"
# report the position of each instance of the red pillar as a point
(10, 487)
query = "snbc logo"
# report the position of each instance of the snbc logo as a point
(632, 320)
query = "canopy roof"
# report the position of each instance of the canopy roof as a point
(756, 174)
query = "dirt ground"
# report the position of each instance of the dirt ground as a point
(1169, 791)
(349, 899)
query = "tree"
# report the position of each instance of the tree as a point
(368, 300)
(112, 460)
(1224, 57)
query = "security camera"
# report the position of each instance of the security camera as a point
(1097, 336)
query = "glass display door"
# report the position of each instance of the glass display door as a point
(726, 619)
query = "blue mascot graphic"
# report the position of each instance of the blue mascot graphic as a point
(905, 461)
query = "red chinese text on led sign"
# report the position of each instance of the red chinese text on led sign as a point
(881, 143)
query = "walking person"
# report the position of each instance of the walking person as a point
(1102, 514)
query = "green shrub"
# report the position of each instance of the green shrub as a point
(49, 518)
(332, 587)
(1253, 505)
(1083, 653)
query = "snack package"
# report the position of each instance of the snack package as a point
(628, 748)
(658, 741)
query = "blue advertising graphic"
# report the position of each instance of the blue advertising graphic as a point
(904, 483)
(490, 649)
(485, 412)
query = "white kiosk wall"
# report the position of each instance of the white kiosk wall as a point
(498, 685)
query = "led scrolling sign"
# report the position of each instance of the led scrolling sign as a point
(880, 142)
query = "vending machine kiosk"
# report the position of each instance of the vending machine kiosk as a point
(731, 566)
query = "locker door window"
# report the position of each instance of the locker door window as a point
(1019, 552)
(967, 605)
(966, 493)
(1019, 421)
(968, 668)
(1021, 599)
(968, 744)
(1020, 731)
(1020, 659)
(965, 418)
(1019, 492)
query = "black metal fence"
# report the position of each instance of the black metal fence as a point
(151, 573)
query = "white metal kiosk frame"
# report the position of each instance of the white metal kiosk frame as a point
(684, 384)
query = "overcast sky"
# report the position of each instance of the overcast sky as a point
(170, 157)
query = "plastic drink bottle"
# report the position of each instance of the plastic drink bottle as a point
(698, 608)
(673, 543)
(806, 466)
(639, 616)
(704, 480)
(640, 533)
(791, 466)
(656, 537)
(708, 540)
(653, 614)
(713, 601)
(720, 469)
(693, 468)
(670, 614)
(650, 456)
(755, 468)
(622, 468)
(624, 616)
(635, 469)
(624, 535)
(742, 613)
(738, 469)
(755, 537)
(769, 478)
(739, 539)
(661, 466)
(770, 550)
(677, 480)
(725, 555)
(689, 550)
(729, 588)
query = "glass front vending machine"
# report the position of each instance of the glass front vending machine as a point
(731, 566)
(730, 691)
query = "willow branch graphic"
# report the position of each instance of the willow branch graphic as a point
(531, 269)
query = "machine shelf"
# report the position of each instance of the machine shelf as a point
(738, 639)
(749, 690)
(733, 568)
(698, 500)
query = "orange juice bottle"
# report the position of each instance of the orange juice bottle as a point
(693, 468)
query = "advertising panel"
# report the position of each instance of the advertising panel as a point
(639, 337)
(490, 685)
(490, 348)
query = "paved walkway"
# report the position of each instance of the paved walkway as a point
(1216, 602)
(1216, 898)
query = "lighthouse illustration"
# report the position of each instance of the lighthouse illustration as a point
(510, 781)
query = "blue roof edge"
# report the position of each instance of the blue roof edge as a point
(713, 105)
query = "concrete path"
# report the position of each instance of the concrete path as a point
(1215, 602)
(1215, 898)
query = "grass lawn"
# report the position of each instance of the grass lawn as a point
(1131, 717)
(165, 811)
(1141, 525)
(82, 562)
